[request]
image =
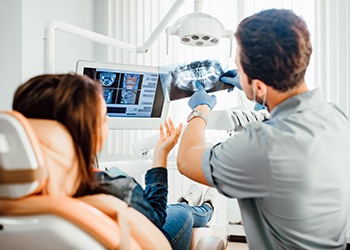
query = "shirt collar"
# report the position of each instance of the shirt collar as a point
(298, 102)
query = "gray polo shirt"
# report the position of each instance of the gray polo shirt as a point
(290, 174)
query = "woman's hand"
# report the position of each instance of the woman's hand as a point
(166, 142)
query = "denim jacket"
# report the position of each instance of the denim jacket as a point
(151, 201)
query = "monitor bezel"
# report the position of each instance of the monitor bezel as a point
(133, 123)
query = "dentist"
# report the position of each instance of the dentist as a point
(289, 173)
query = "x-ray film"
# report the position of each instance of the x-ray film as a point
(179, 81)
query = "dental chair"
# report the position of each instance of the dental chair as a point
(38, 177)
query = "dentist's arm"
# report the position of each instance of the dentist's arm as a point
(192, 144)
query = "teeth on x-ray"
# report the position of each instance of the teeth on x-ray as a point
(179, 80)
(206, 72)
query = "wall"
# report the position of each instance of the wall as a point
(21, 43)
(332, 51)
(10, 50)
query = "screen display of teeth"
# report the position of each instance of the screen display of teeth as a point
(133, 94)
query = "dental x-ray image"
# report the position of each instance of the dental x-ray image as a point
(108, 94)
(107, 78)
(130, 85)
(179, 81)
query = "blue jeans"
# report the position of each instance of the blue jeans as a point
(180, 220)
(175, 221)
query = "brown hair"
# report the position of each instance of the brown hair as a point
(274, 48)
(72, 100)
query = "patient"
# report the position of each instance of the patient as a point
(77, 102)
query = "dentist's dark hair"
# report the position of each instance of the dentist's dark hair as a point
(274, 48)
(72, 100)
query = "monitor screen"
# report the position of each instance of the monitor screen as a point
(133, 94)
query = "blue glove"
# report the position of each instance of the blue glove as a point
(231, 77)
(201, 97)
(259, 106)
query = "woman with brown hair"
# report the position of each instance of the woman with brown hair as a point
(77, 102)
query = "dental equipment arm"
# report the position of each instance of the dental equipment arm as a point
(53, 25)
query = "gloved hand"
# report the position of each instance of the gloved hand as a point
(231, 77)
(201, 97)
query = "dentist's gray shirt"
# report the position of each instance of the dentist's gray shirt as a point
(290, 174)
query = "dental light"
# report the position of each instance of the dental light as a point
(199, 29)
(195, 29)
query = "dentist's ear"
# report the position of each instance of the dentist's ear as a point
(260, 87)
(260, 93)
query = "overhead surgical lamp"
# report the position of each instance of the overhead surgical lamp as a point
(195, 29)
(199, 29)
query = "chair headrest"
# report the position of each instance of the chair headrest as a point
(22, 169)
(36, 156)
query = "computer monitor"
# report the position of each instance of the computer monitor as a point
(133, 94)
